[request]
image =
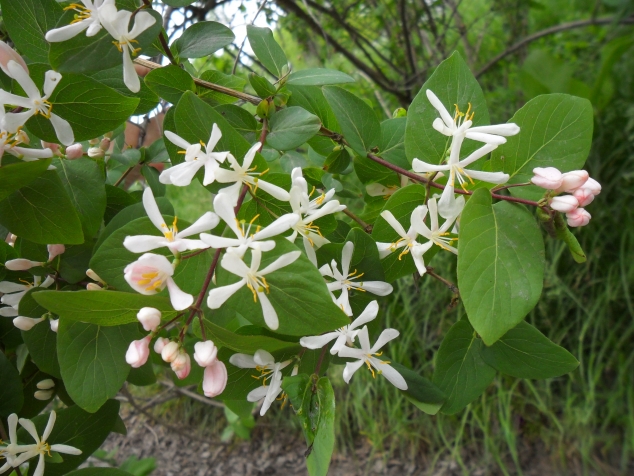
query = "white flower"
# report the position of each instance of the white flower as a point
(366, 355)
(182, 174)
(41, 447)
(34, 104)
(117, 24)
(13, 292)
(254, 279)
(10, 143)
(12, 449)
(345, 280)
(264, 363)
(245, 238)
(151, 273)
(240, 174)
(172, 238)
(87, 18)
(407, 238)
(345, 335)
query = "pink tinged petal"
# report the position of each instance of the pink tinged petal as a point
(205, 353)
(573, 180)
(509, 129)
(130, 78)
(13, 121)
(9, 54)
(63, 130)
(478, 154)
(21, 264)
(257, 394)
(138, 352)
(54, 251)
(218, 296)
(66, 449)
(351, 368)
(206, 222)
(30, 428)
(423, 167)
(490, 177)
(578, 217)
(26, 323)
(8, 312)
(180, 300)
(584, 196)
(564, 204)
(390, 373)
(593, 186)
(142, 21)
(268, 311)
(273, 190)
(152, 210)
(377, 287)
(346, 258)
(243, 361)
(417, 220)
(215, 137)
(394, 223)
(215, 379)
(279, 226)
(317, 342)
(144, 243)
(281, 262)
(439, 106)
(149, 317)
(386, 336)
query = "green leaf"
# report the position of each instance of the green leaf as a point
(218, 77)
(453, 83)
(117, 200)
(113, 78)
(291, 127)
(420, 391)
(357, 120)
(11, 397)
(247, 344)
(142, 376)
(556, 131)
(203, 39)
(103, 308)
(500, 264)
(524, 352)
(460, 372)
(27, 22)
(42, 212)
(40, 340)
(92, 360)
(91, 108)
(297, 292)
(267, 50)
(392, 147)
(312, 99)
(337, 162)
(16, 176)
(74, 262)
(83, 181)
(261, 85)
(170, 82)
(77, 428)
(318, 77)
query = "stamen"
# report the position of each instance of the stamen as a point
(255, 294)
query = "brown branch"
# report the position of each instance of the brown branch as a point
(408, 44)
(366, 226)
(162, 39)
(550, 31)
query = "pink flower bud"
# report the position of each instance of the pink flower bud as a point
(573, 180)
(170, 351)
(564, 204)
(215, 379)
(584, 196)
(182, 365)
(578, 217)
(51, 145)
(21, 264)
(54, 324)
(26, 323)
(138, 352)
(205, 353)
(149, 317)
(74, 151)
(7, 54)
(104, 144)
(93, 287)
(160, 343)
(593, 186)
(549, 178)
(54, 251)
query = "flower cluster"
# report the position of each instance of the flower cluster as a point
(578, 183)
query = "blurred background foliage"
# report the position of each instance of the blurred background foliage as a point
(582, 423)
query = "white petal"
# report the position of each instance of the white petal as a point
(346, 257)
(490, 177)
(257, 394)
(343, 302)
(66, 32)
(340, 343)
(274, 190)
(418, 221)
(279, 226)
(152, 210)
(21, 75)
(182, 174)
(439, 106)
(233, 191)
(177, 140)
(385, 249)
(130, 78)
(378, 287)
(250, 155)
(215, 137)
(235, 265)
(386, 336)
(423, 167)
(180, 299)
(509, 129)
(142, 21)
(47, 282)
(51, 80)
(63, 130)
(66, 449)
(8, 312)
(418, 251)
(223, 206)
(487, 138)
(9, 287)
(281, 262)
(144, 243)
(351, 368)
(39, 470)
(206, 222)
(447, 204)
(49, 426)
(30, 427)
(219, 242)
(263, 358)
(394, 223)
(308, 248)
(244, 361)
(481, 152)
(13, 121)
(270, 316)
(218, 296)
(210, 172)
(390, 373)
(368, 314)
(317, 342)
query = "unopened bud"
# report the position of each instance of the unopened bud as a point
(549, 178)
(573, 180)
(92, 275)
(578, 217)
(138, 352)
(45, 384)
(26, 323)
(214, 379)
(74, 151)
(104, 144)
(182, 365)
(9, 54)
(21, 264)
(96, 153)
(93, 287)
(54, 251)
(54, 324)
(160, 343)
(94, 141)
(170, 352)
(400, 112)
(205, 353)
(149, 317)
(564, 204)
(584, 196)
(43, 395)
(51, 145)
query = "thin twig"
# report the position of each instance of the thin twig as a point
(162, 39)
(235, 64)
(190, 394)
(123, 176)
(366, 226)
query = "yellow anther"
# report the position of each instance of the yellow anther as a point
(153, 286)
(202, 143)
(150, 275)
(255, 294)
(182, 152)
(118, 45)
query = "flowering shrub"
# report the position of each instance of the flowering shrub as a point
(284, 275)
